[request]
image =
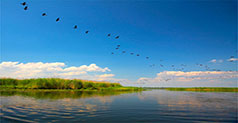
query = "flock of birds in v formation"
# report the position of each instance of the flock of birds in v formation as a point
(182, 66)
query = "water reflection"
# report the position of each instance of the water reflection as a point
(146, 106)
(203, 105)
(53, 95)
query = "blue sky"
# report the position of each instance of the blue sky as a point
(178, 32)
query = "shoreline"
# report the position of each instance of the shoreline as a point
(205, 89)
(62, 84)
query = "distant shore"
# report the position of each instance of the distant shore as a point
(199, 89)
(205, 89)
(51, 84)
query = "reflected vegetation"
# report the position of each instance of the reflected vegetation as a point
(47, 94)
(117, 106)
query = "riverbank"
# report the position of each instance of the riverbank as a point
(205, 89)
(52, 84)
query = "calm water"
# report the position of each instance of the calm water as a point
(146, 106)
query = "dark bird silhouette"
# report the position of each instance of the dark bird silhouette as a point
(112, 53)
(152, 65)
(172, 66)
(43, 14)
(108, 34)
(138, 55)
(118, 45)
(123, 51)
(132, 53)
(147, 57)
(117, 48)
(232, 57)
(117, 37)
(87, 32)
(75, 26)
(57, 19)
(24, 3)
(161, 65)
(26, 8)
(183, 65)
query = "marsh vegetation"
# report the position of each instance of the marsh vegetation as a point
(61, 84)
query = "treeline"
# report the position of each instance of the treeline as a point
(54, 83)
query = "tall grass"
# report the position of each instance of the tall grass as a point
(54, 83)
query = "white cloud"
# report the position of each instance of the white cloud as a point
(193, 78)
(90, 68)
(56, 69)
(106, 75)
(232, 59)
(216, 61)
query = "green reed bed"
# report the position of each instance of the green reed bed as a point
(59, 84)
(205, 89)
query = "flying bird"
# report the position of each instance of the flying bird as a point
(117, 37)
(132, 53)
(117, 48)
(57, 19)
(87, 32)
(24, 3)
(183, 65)
(75, 26)
(108, 34)
(112, 53)
(123, 51)
(26, 8)
(43, 14)
(232, 57)
(138, 55)
(147, 57)
(152, 65)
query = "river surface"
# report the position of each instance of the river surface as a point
(146, 106)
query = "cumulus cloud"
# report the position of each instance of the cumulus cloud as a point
(216, 61)
(193, 78)
(106, 75)
(56, 69)
(232, 59)
(90, 68)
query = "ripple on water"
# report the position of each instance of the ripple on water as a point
(150, 106)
